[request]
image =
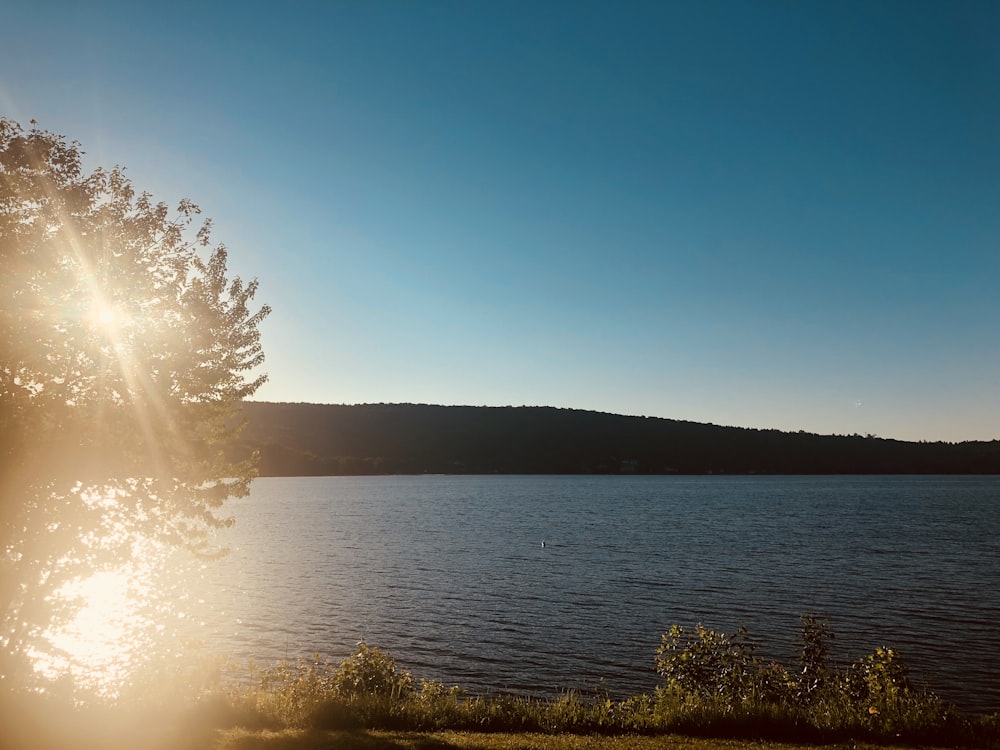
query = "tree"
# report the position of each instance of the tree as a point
(125, 353)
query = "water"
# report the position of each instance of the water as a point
(450, 575)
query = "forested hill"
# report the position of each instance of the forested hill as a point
(318, 439)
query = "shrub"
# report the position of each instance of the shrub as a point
(815, 658)
(286, 694)
(715, 685)
(371, 671)
(708, 663)
(364, 688)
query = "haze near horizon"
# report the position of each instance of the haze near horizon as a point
(761, 214)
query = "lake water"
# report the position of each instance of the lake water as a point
(449, 574)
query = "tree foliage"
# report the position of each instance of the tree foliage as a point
(125, 352)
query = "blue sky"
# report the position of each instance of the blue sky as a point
(768, 214)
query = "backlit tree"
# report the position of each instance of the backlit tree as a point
(125, 353)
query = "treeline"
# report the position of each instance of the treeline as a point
(319, 439)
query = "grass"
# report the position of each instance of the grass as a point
(214, 726)
(242, 739)
(715, 694)
(713, 688)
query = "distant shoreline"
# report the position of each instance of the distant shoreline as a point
(415, 439)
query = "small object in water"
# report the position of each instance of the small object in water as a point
(543, 542)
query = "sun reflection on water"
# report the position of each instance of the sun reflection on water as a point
(122, 616)
(127, 605)
(103, 642)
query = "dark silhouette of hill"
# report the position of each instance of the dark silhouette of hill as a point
(319, 439)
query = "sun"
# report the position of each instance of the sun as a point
(105, 315)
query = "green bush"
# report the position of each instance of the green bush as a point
(815, 659)
(709, 664)
(286, 694)
(365, 687)
(714, 684)
(371, 671)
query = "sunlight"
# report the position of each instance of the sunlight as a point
(103, 616)
(121, 370)
(106, 316)
(97, 647)
(117, 611)
(118, 626)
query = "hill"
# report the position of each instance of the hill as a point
(321, 439)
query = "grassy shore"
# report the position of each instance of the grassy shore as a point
(714, 687)
(241, 739)
(35, 725)
(169, 736)
(715, 695)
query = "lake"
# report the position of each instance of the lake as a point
(449, 574)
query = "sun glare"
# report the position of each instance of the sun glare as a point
(105, 316)
(116, 614)
(95, 647)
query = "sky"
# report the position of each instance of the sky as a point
(773, 214)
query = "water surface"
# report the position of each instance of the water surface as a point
(450, 575)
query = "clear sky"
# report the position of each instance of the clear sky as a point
(767, 214)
